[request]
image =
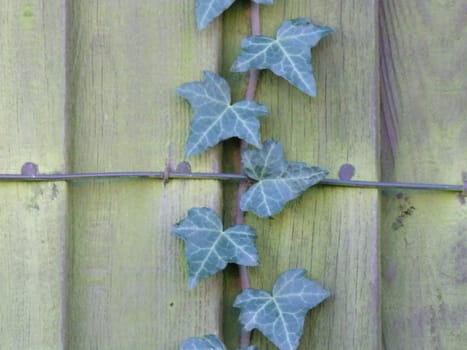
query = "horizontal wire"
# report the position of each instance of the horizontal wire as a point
(221, 176)
(124, 174)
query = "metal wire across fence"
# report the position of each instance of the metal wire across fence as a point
(168, 175)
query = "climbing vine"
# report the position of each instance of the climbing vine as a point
(209, 247)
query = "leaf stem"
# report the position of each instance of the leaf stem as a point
(243, 186)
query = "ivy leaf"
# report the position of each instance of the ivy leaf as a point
(280, 316)
(279, 181)
(208, 342)
(208, 10)
(215, 119)
(209, 248)
(288, 56)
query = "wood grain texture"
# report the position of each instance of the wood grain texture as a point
(128, 281)
(424, 253)
(333, 233)
(90, 86)
(33, 217)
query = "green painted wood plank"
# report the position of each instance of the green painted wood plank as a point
(333, 233)
(127, 271)
(33, 221)
(424, 250)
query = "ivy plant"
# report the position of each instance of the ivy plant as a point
(215, 119)
(288, 56)
(208, 10)
(273, 180)
(281, 316)
(209, 248)
(208, 342)
(278, 181)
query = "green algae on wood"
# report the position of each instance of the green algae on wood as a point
(27, 16)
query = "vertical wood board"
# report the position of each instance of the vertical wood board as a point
(333, 233)
(33, 216)
(129, 284)
(424, 235)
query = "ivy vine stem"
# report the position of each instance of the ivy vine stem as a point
(255, 30)
(243, 186)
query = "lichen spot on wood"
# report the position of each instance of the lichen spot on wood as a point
(27, 16)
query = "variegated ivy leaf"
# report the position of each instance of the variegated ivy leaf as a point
(215, 119)
(288, 56)
(208, 10)
(280, 316)
(208, 342)
(209, 248)
(279, 181)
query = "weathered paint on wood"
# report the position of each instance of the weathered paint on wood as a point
(424, 251)
(333, 233)
(33, 217)
(128, 281)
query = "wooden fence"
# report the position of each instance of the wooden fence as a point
(89, 86)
